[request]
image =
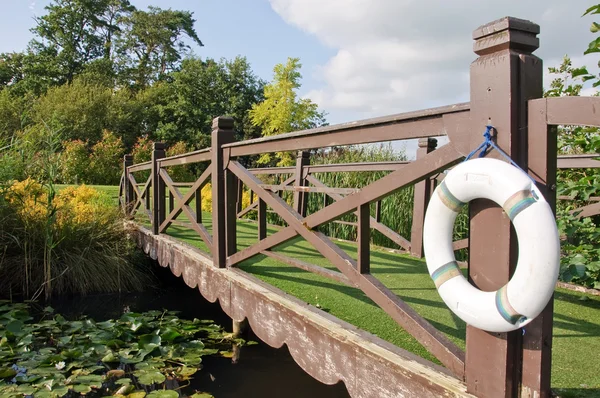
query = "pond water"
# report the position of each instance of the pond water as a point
(261, 371)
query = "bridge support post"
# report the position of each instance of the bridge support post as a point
(300, 198)
(504, 77)
(224, 195)
(422, 193)
(127, 188)
(159, 210)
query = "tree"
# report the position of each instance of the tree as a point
(281, 111)
(152, 43)
(71, 29)
(200, 91)
(78, 110)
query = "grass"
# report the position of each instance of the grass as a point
(576, 320)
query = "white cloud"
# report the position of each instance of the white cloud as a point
(399, 55)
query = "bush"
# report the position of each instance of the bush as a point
(106, 160)
(180, 173)
(78, 110)
(75, 165)
(74, 242)
(206, 194)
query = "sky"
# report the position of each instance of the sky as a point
(361, 58)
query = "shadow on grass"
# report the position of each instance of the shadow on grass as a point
(576, 392)
(282, 273)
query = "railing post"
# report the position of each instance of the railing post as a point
(504, 77)
(300, 198)
(262, 219)
(223, 193)
(364, 238)
(537, 341)
(127, 188)
(422, 193)
(158, 189)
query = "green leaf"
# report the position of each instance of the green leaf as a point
(595, 27)
(164, 394)
(149, 341)
(579, 72)
(137, 394)
(594, 46)
(123, 381)
(595, 9)
(6, 372)
(149, 377)
(110, 358)
(82, 388)
(26, 389)
(202, 395)
(187, 371)
(15, 327)
(170, 335)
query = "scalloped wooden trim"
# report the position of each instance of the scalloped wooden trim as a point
(325, 347)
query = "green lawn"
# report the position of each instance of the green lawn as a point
(576, 322)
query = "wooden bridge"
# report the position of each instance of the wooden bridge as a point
(506, 90)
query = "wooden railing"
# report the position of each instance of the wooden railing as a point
(525, 129)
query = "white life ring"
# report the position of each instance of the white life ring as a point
(532, 284)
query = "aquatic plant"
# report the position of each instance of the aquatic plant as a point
(135, 355)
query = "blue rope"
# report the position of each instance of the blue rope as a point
(487, 144)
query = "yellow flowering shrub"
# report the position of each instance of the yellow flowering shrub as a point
(28, 199)
(206, 195)
(74, 206)
(73, 242)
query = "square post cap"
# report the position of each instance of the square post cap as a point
(506, 33)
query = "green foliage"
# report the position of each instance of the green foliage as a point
(152, 44)
(200, 91)
(75, 162)
(580, 250)
(106, 158)
(79, 110)
(179, 173)
(12, 109)
(281, 111)
(130, 356)
(67, 241)
(594, 46)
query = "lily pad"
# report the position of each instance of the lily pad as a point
(163, 394)
(149, 377)
(137, 394)
(15, 327)
(82, 388)
(6, 372)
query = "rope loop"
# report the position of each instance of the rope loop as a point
(489, 143)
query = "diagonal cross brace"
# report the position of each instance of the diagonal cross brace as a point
(428, 165)
(431, 338)
(185, 200)
(383, 229)
(139, 195)
(191, 215)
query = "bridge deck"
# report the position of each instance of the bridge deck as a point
(408, 278)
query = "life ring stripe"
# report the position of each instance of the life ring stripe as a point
(518, 202)
(504, 308)
(448, 199)
(445, 273)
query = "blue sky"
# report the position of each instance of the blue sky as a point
(227, 28)
(361, 58)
